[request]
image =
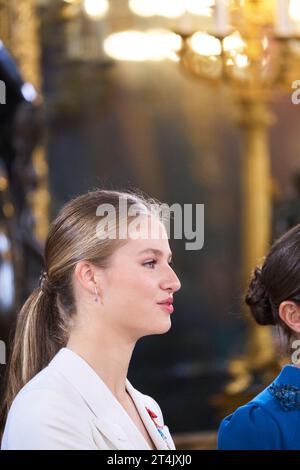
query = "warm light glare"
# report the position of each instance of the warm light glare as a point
(294, 10)
(127, 45)
(140, 46)
(205, 44)
(265, 42)
(96, 9)
(234, 43)
(241, 60)
(171, 8)
(166, 8)
(202, 8)
(164, 44)
(143, 7)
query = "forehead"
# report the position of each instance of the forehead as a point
(144, 234)
(147, 247)
(146, 227)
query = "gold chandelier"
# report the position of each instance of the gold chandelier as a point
(254, 47)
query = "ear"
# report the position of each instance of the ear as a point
(289, 313)
(86, 275)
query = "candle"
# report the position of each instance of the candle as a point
(184, 24)
(282, 25)
(221, 17)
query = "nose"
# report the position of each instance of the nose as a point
(171, 281)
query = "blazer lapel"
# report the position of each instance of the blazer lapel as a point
(162, 440)
(113, 433)
(110, 418)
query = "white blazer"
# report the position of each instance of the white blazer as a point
(67, 406)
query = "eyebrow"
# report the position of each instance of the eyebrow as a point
(155, 251)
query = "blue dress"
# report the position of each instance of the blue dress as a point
(271, 421)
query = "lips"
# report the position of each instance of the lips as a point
(167, 305)
(168, 301)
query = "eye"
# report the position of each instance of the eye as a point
(150, 264)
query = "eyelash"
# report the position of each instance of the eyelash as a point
(154, 262)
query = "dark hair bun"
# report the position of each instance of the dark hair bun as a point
(258, 300)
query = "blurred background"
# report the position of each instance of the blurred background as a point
(191, 102)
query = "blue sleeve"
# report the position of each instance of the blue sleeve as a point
(250, 427)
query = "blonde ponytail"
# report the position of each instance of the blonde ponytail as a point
(44, 323)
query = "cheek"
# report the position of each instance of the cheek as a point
(134, 284)
(128, 281)
(140, 286)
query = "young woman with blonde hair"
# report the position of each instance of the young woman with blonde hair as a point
(66, 382)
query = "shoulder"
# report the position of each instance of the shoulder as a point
(46, 390)
(270, 421)
(251, 426)
(43, 416)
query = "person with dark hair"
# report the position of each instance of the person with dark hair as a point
(271, 420)
(105, 285)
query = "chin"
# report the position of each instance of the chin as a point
(162, 328)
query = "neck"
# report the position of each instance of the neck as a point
(108, 354)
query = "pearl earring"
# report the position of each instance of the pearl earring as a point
(96, 295)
